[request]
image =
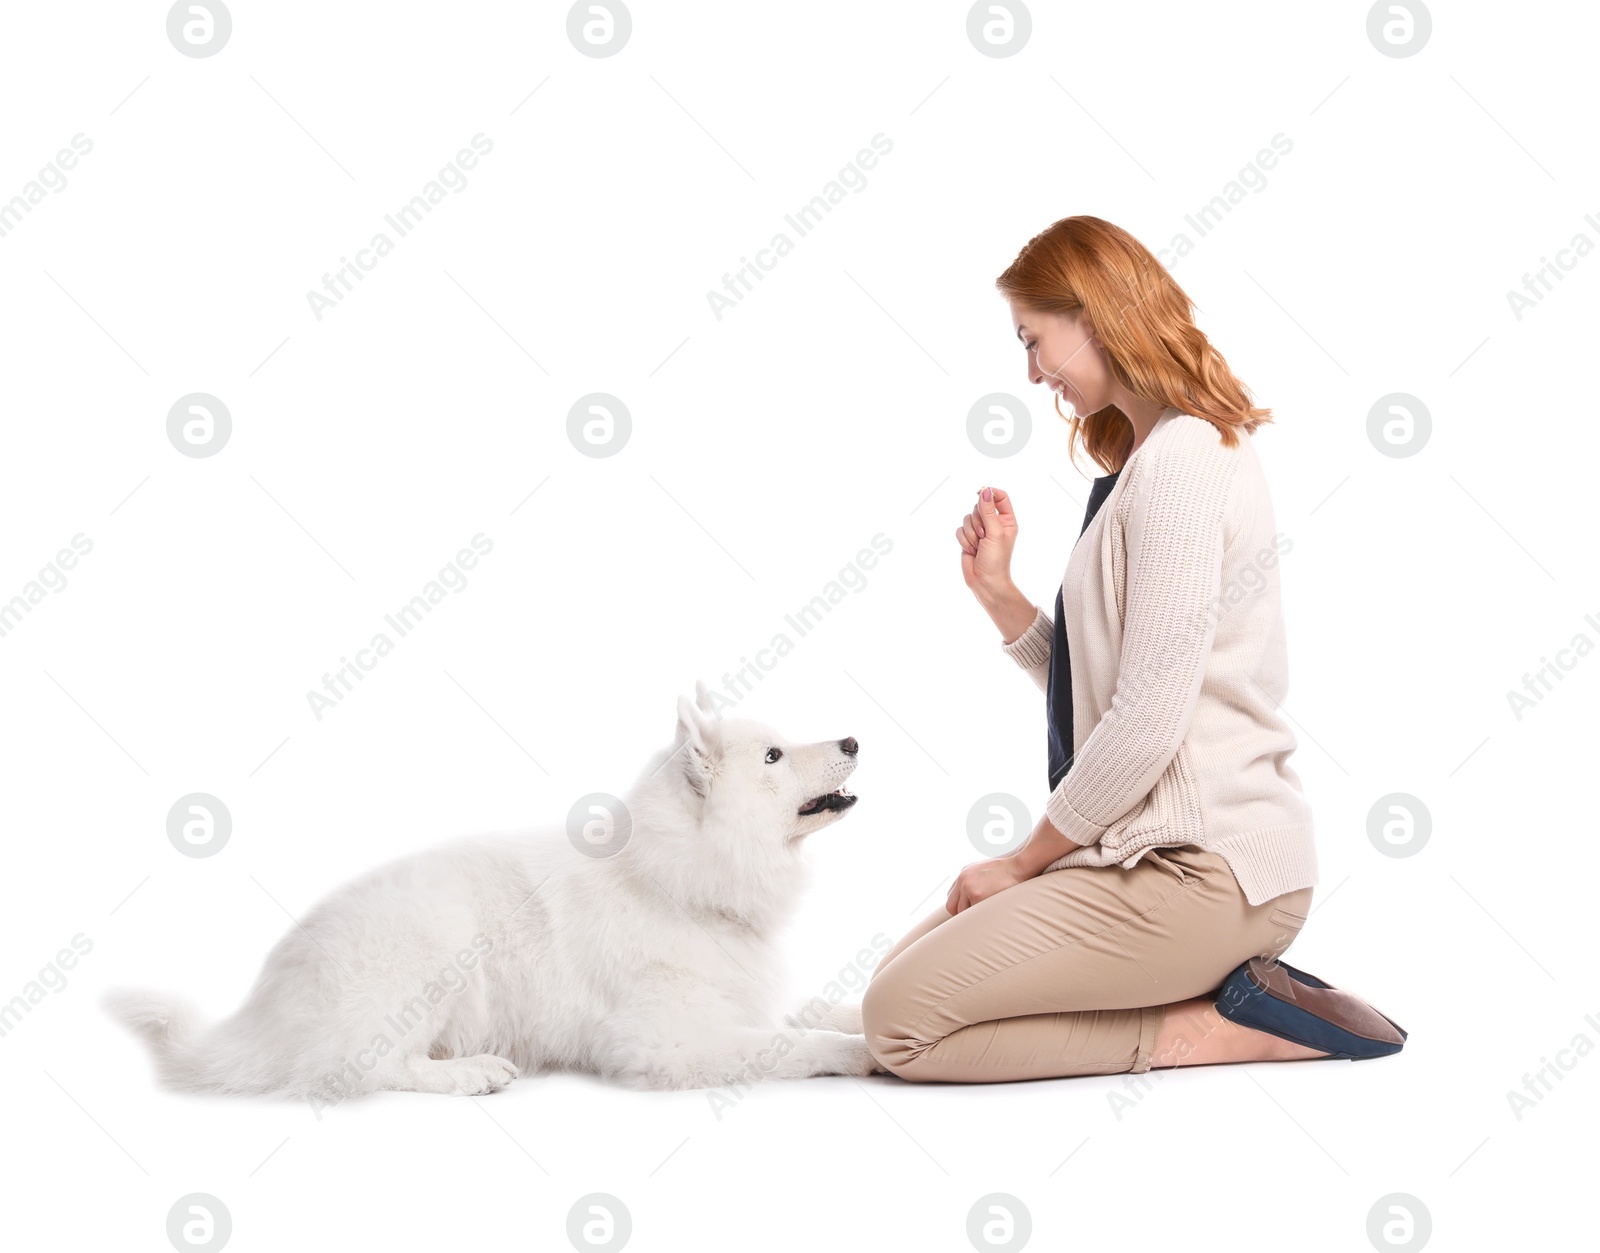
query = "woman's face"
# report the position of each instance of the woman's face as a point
(1063, 356)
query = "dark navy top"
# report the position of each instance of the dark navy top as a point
(1058, 695)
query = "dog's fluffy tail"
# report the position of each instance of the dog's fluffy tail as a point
(168, 1025)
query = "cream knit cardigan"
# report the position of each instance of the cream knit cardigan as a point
(1178, 668)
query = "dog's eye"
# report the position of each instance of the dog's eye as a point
(773, 754)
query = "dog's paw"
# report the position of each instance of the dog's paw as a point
(473, 1076)
(846, 1017)
(817, 1014)
(852, 1057)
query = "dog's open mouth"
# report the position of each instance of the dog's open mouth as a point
(829, 800)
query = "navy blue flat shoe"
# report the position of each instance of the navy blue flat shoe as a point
(1276, 998)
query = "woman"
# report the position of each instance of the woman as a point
(1177, 841)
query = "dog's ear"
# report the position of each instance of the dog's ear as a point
(705, 698)
(693, 743)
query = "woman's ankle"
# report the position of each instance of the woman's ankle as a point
(1193, 1033)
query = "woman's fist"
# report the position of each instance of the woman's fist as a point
(987, 535)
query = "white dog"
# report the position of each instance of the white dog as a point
(639, 947)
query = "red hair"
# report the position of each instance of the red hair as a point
(1145, 322)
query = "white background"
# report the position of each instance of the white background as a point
(768, 447)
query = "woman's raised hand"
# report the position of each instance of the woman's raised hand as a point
(987, 535)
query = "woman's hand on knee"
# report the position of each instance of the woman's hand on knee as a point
(981, 880)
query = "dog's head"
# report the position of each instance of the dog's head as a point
(748, 775)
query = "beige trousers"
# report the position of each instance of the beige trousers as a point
(1068, 973)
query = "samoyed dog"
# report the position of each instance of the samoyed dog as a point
(636, 945)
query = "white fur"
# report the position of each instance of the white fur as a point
(654, 967)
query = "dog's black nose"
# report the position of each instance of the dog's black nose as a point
(849, 745)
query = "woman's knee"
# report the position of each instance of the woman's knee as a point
(883, 1024)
